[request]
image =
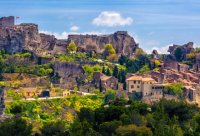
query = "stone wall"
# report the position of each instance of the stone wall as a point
(7, 22)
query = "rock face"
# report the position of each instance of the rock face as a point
(121, 41)
(26, 37)
(184, 50)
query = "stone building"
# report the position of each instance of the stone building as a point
(143, 85)
(109, 82)
(176, 66)
(106, 81)
(7, 22)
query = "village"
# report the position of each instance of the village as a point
(148, 86)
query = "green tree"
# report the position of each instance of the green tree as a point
(54, 129)
(15, 127)
(115, 71)
(83, 128)
(86, 114)
(175, 88)
(100, 86)
(108, 73)
(133, 130)
(72, 47)
(103, 70)
(109, 50)
(108, 128)
(122, 60)
(144, 69)
(110, 95)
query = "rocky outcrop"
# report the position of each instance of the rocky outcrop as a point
(182, 50)
(26, 37)
(121, 41)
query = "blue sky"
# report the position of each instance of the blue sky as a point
(153, 23)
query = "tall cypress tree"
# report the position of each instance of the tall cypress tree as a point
(115, 71)
(100, 86)
(108, 73)
(103, 70)
(123, 76)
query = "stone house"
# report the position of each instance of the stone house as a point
(192, 94)
(106, 81)
(109, 82)
(29, 92)
(96, 78)
(142, 85)
(176, 66)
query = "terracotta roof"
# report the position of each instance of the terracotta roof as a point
(181, 64)
(104, 78)
(147, 79)
(134, 78)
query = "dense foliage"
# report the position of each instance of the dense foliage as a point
(77, 116)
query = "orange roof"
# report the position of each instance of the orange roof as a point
(104, 78)
(147, 79)
(134, 78)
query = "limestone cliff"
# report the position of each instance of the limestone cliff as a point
(121, 41)
(26, 37)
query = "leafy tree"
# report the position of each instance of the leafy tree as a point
(110, 95)
(54, 129)
(108, 128)
(133, 130)
(175, 88)
(144, 69)
(72, 47)
(86, 114)
(15, 127)
(44, 72)
(122, 60)
(82, 129)
(89, 70)
(109, 48)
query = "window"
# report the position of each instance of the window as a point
(134, 82)
(152, 87)
(138, 86)
(132, 86)
(138, 82)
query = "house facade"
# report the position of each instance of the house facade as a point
(145, 86)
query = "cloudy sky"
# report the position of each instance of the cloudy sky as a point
(153, 23)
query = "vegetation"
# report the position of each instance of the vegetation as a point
(89, 70)
(175, 88)
(72, 47)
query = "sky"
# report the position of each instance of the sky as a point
(154, 24)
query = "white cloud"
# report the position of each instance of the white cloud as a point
(64, 35)
(111, 19)
(161, 50)
(74, 28)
